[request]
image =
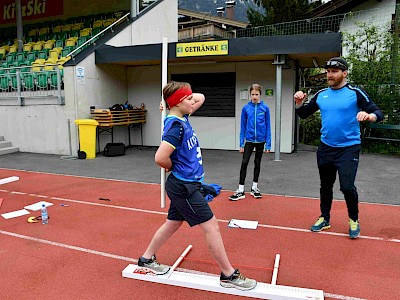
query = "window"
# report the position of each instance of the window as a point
(219, 90)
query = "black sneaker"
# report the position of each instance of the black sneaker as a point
(237, 196)
(256, 193)
(238, 281)
(153, 265)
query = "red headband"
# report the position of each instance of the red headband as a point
(178, 96)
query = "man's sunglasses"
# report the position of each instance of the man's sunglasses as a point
(335, 64)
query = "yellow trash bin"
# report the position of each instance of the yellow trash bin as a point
(87, 138)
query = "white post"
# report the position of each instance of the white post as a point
(279, 61)
(164, 77)
(275, 272)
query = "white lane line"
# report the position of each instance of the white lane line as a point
(39, 196)
(109, 205)
(79, 176)
(341, 297)
(125, 258)
(374, 238)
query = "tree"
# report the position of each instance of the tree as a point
(278, 11)
(370, 55)
(369, 52)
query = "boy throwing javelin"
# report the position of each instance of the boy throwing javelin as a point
(179, 152)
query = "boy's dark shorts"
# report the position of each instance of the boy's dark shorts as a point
(187, 202)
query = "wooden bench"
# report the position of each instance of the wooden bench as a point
(380, 132)
(108, 119)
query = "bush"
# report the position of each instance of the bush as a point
(310, 130)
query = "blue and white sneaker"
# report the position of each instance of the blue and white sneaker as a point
(354, 230)
(320, 225)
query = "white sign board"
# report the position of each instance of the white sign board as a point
(80, 75)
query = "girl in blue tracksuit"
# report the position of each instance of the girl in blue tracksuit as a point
(255, 133)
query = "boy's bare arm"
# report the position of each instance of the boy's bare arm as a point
(162, 157)
(198, 101)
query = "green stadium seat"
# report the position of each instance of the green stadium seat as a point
(12, 67)
(24, 68)
(10, 57)
(82, 40)
(43, 54)
(74, 33)
(53, 78)
(42, 80)
(96, 30)
(4, 82)
(30, 57)
(66, 50)
(28, 80)
(59, 44)
(53, 36)
(3, 71)
(14, 81)
(20, 57)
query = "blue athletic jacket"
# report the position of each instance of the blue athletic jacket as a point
(255, 124)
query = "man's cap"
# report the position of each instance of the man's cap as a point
(338, 63)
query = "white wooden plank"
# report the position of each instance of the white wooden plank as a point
(211, 283)
(8, 179)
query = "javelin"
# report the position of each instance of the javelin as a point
(164, 64)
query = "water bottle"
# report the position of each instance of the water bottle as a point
(45, 215)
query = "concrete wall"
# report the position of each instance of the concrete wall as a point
(150, 28)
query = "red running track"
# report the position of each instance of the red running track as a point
(82, 251)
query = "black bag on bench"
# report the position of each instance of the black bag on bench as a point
(114, 149)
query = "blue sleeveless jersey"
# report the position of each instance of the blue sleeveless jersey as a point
(187, 163)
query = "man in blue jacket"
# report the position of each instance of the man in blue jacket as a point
(255, 133)
(343, 107)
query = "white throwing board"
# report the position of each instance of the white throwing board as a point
(211, 283)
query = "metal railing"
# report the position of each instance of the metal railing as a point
(315, 25)
(19, 83)
(94, 38)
